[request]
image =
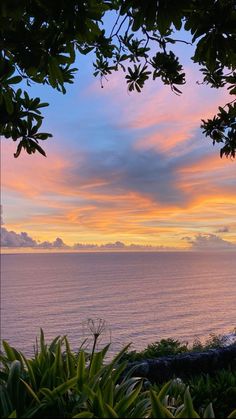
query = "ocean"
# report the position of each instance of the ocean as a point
(142, 296)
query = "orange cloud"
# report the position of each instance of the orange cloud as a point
(31, 175)
(178, 119)
(82, 199)
(132, 218)
(174, 119)
(208, 163)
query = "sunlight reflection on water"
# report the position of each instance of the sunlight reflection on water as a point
(142, 296)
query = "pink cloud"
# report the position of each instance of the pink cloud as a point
(174, 118)
(177, 118)
(115, 83)
(33, 175)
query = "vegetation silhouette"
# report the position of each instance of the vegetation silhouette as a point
(40, 41)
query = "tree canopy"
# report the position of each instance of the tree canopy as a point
(40, 41)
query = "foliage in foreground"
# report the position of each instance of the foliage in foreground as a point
(59, 383)
(207, 388)
(41, 39)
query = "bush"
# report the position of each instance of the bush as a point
(166, 347)
(219, 389)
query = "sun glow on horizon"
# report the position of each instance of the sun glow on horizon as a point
(138, 171)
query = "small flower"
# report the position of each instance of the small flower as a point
(96, 327)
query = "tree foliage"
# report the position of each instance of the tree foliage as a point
(40, 41)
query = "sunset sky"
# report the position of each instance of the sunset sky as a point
(133, 168)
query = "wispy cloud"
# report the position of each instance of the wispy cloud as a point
(130, 168)
(142, 194)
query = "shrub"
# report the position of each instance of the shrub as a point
(219, 389)
(164, 347)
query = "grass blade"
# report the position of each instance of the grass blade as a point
(31, 391)
(158, 410)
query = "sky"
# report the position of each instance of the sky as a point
(123, 170)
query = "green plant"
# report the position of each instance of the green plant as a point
(220, 389)
(57, 382)
(166, 347)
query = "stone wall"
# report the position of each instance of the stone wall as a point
(185, 365)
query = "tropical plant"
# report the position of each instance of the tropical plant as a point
(57, 382)
(207, 388)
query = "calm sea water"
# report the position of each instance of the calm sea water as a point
(142, 296)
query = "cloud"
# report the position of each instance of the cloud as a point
(118, 245)
(145, 176)
(31, 177)
(56, 244)
(83, 246)
(12, 239)
(140, 196)
(1, 217)
(107, 246)
(145, 172)
(209, 242)
(162, 120)
(223, 229)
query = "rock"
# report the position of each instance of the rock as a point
(185, 365)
